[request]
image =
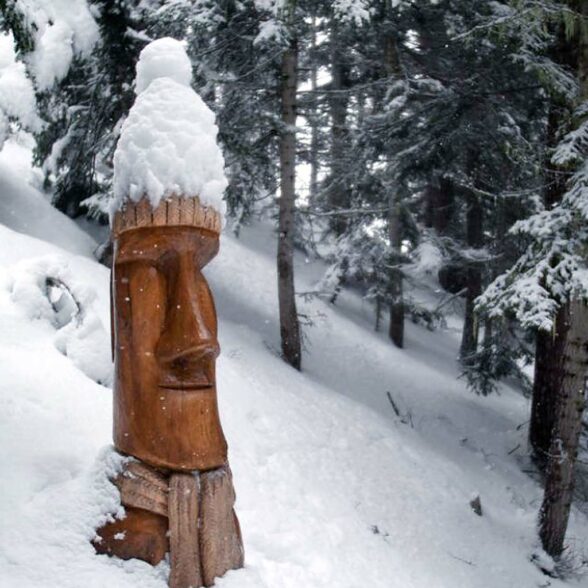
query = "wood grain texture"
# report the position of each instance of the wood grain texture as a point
(141, 535)
(171, 211)
(221, 546)
(160, 215)
(144, 213)
(174, 206)
(188, 514)
(187, 211)
(183, 532)
(143, 487)
(165, 405)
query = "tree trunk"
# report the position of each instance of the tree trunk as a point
(378, 313)
(469, 338)
(549, 345)
(443, 210)
(474, 237)
(559, 484)
(572, 54)
(439, 205)
(396, 327)
(549, 371)
(338, 193)
(289, 325)
(314, 138)
(570, 400)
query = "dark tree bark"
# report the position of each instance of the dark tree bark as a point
(396, 327)
(559, 484)
(338, 193)
(570, 399)
(549, 346)
(289, 325)
(314, 132)
(443, 207)
(474, 238)
(439, 205)
(548, 376)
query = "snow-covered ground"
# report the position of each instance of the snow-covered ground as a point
(334, 490)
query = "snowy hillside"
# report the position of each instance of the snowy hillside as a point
(334, 489)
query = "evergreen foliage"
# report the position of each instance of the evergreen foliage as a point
(420, 124)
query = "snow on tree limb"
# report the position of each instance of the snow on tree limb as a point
(61, 30)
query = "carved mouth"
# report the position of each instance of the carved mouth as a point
(187, 386)
(189, 370)
(187, 382)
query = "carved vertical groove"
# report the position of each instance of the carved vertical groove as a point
(183, 531)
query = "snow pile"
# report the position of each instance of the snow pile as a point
(163, 58)
(168, 141)
(80, 335)
(61, 29)
(17, 95)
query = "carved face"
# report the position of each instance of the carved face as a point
(165, 347)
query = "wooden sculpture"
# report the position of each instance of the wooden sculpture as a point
(177, 491)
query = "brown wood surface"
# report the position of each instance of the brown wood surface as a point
(188, 514)
(172, 211)
(165, 406)
(183, 532)
(143, 213)
(141, 534)
(143, 487)
(221, 547)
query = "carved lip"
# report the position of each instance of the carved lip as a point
(192, 382)
(187, 386)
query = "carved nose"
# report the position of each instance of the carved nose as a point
(193, 368)
(186, 340)
(184, 360)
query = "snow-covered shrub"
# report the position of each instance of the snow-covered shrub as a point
(80, 336)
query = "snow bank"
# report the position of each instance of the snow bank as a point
(80, 335)
(330, 493)
(25, 209)
(168, 141)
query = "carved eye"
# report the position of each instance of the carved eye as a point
(206, 303)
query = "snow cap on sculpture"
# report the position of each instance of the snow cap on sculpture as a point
(168, 167)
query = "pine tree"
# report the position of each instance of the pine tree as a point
(86, 111)
(545, 287)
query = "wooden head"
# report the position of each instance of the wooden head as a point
(165, 347)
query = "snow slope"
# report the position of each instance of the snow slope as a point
(25, 209)
(334, 490)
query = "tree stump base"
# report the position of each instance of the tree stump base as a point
(190, 515)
